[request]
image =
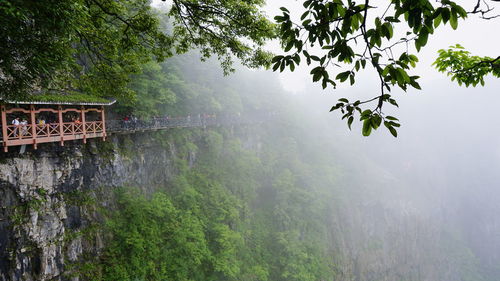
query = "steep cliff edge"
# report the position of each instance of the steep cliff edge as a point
(43, 193)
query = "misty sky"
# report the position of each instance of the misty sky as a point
(478, 36)
(448, 148)
(449, 142)
(442, 114)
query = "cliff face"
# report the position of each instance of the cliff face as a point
(42, 194)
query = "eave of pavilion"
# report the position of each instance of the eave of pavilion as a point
(111, 102)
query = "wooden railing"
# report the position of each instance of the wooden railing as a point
(28, 134)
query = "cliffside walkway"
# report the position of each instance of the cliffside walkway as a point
(21, 135)
(164, 123)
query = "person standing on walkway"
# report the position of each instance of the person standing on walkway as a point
(24, 127)
(16, 123)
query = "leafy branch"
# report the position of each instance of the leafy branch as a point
(327, 38)
(465, 68)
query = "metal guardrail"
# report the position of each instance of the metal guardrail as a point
(182, 122)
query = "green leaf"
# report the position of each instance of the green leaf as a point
(367, 128)
(282, 67)
(284, 10)
(304, 15)
(289, 46)
(422, 38)
(376, 120)
(437, 21)
(349, 122)
(445, 13)
(391, 129)
(415, 85)
(276, 66)
(404, 75)
(363, 63)
(351, 79)
(393, 132)
(317, 76)
(454, 21)
(386, 70)
(343, 76)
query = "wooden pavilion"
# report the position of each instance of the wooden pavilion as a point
(44, 122)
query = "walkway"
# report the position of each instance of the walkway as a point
(117, 126)
(59, 132)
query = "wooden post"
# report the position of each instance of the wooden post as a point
(61, 127)
(84, 130)
(33, 125)
(4, 128)
(103, 123)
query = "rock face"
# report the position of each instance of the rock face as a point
(41, 198)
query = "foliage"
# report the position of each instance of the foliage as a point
(88, 45)
(154, 88)
(94, 46)
(70, 98)
(152, 240)
(263, 202)
(220, 220)
(349, 37)
(30, 50)
(465, 68)
(219, 26)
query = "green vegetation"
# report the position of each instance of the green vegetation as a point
(260, 202)
(153, 240)
(93, 46)
(217, 221)
(465, 68)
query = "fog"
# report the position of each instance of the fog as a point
(431, 196)
(429, 199)
(444, 165)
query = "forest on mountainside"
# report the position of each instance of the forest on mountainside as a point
(274, 201)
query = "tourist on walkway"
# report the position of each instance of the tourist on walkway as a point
(24, 127)
(16, 123)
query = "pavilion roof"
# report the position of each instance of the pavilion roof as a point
(63, 99)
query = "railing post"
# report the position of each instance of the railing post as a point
(84, 125)
(33, 125)
(4, 129)
(103, 119)
(61, 127)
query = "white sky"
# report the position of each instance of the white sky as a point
(458, 125)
